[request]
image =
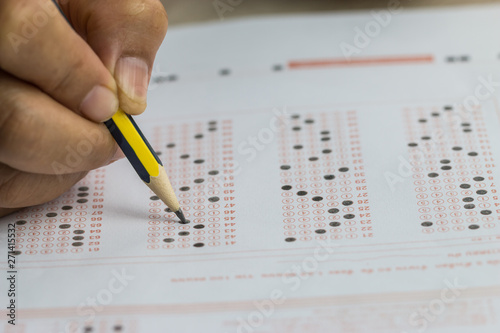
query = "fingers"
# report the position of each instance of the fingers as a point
(40, 47)
(7, 211)
(126, 35)
(39, 135)
(20, 189)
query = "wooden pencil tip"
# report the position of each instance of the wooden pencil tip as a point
(161, 186)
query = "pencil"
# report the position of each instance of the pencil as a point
(143, 158)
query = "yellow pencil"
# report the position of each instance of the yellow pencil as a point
(144, 159)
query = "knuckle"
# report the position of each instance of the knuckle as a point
(11, 193)
(160, 18)
(15, 23)
(12, 10)
(62, 78)
(18, 127)
(8, 122)
(151, 12)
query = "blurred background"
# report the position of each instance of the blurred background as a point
(191, 11)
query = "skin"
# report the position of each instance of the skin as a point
(51, 113)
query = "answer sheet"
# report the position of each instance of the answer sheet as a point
(338, 177)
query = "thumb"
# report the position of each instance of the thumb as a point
(126, 35)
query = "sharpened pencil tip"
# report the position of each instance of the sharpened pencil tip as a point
(181, 216)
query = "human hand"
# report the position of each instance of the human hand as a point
(57, 84)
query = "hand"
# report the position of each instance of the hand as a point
(57, 84)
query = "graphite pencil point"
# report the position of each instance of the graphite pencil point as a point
(181, 216)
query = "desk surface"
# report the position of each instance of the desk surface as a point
(190, 11)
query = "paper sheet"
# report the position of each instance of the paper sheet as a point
(324, 195)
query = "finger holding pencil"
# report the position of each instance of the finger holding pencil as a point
(131, 73)
(61, 83)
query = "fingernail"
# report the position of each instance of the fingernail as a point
(132, 76)
(100, 104)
